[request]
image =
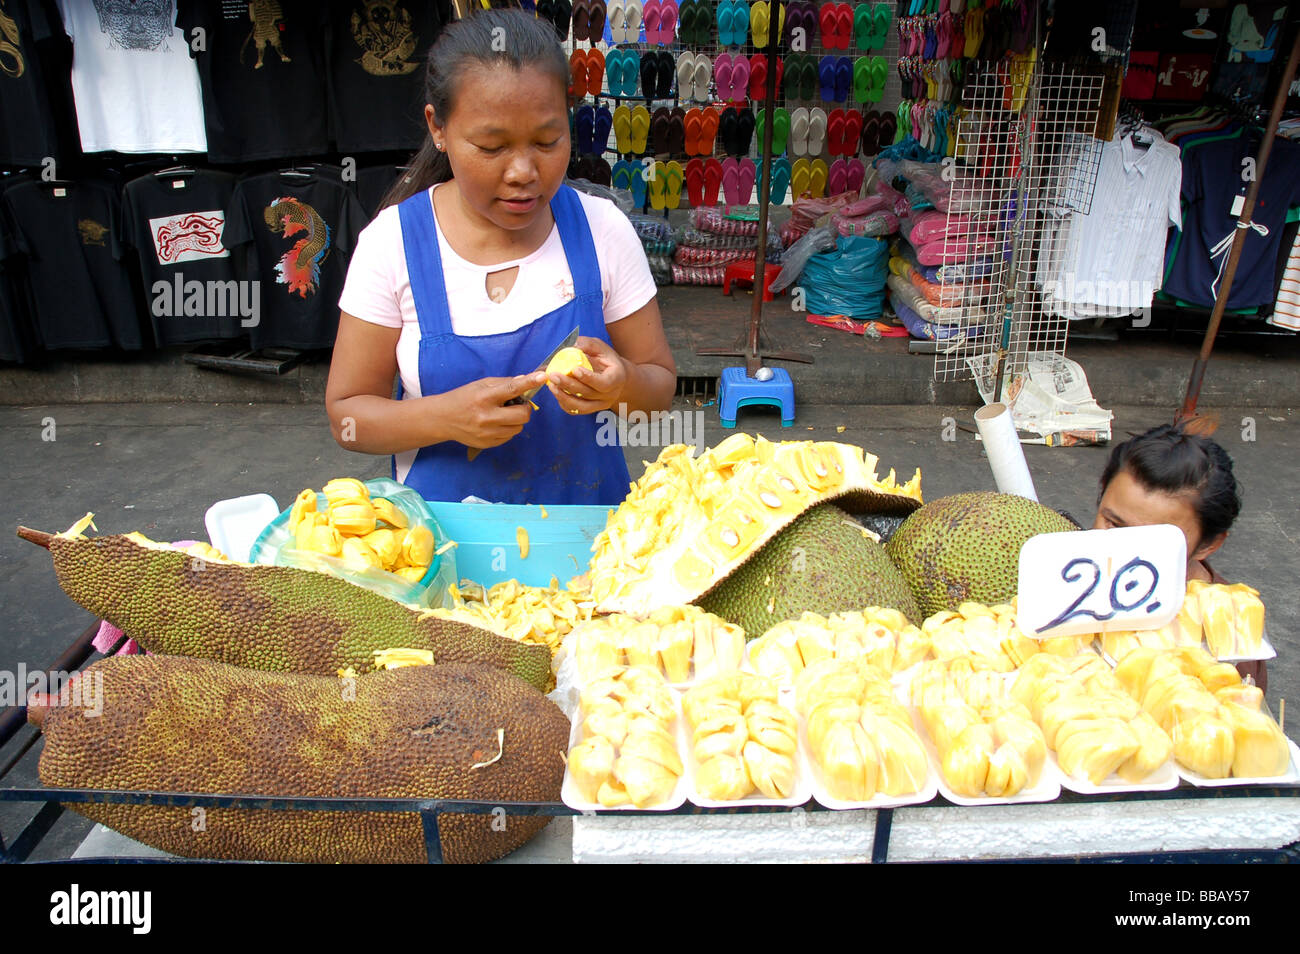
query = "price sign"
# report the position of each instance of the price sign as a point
(1094, 581)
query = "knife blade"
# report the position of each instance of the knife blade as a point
(569, 341)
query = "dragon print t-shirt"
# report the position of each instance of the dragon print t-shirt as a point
(133, 81)
(176, 224)
(263, 74)
(377, 54)
(294, 235)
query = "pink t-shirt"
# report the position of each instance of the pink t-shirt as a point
(378, 288)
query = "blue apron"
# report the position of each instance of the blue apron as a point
(555, 459)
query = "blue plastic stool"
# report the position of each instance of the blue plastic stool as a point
(737, 389)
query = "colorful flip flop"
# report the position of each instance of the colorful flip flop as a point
(642, 173)
(826, 20)
(880, 22)
(677, 131)
(622, 174)
(659, 187)
(758, 23)
(623, 129)
(852, 131)
(839, 177)
(603, 124)
(700, 80)
(723, 16)
(652, 16)
(818, 174)
(780, 179)
(816, 131)
(745, 175)
(863, 27)
(739, 76)
(708, 130)
(739, 22)
(826, 78)
(595, 71)
(675, 179)
(879, 76)
(668, 26)
(857, 175)
(843, 78)
(584, 124)
(745, 123)
(800, 176)
(731, 180)
(640, 129)
(722, 77)
(712, 181)
(632, 22)
(596, 21)
(695, 182)
(694, 126)
(578, 72)
(798, 141)
(685, 74)
(581, 20)
(844, 25)
(616, 16)
(835, 132)
(862, 80)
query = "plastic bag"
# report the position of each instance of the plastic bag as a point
(877, 223)
(797, 255)
(275, 546)
(694, 238)
(650, 228)
(620, 197)
(715, 220)
(849, 280)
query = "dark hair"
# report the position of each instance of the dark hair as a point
(1178, 459)
(493, 37)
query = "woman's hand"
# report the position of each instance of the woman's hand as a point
(480, 416)
(586, 392)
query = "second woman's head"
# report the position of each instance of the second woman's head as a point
(497, 113)
(1171, 475)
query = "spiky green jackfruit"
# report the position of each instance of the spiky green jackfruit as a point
(187, 725)
(823, 562)
(273, 618)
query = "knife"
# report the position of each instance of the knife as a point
(526, 398)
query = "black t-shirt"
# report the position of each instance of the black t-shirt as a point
(81, 291)
(263, 77)
(175, 223)
(294, 235)
(17, 342)
(377, 55)
(373, 184)
(31, 104)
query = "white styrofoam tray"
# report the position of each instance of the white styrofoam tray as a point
(1291, 776)
(571, 796)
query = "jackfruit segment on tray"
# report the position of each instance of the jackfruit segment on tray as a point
(1218, 724)
(824, 562)
(966, 548)
(1227, 618)
(1095, 727)
(363, 532)
(861, 740)
(883, 637)
(627, 753)
(188, 725)
(689, 522)
(988, 744)
(273, 618)
(537, 615)
(682, 643)
(742, 739)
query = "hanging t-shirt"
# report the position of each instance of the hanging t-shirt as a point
(263, 75)
(1111, 260)
(1212, 179)
(17, 340)
(135, 86)
(69, 234)
(377, 55)
(175, 224)
(30, 32)
(294, 235)
(373, 184)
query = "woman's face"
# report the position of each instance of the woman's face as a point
(1127, 503)
(507, 138)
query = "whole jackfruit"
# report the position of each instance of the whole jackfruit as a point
(822, 563)
(175, 724)
(967, 547)
(273, 618)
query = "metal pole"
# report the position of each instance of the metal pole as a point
(1194, 382)
(753, 358)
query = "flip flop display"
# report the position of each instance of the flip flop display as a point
(685, 73)
(839, 176)
(621, 177)
(581, 20)
(739, 76)
(584, 129)
(677, 131)
(843, 78)
(708, 130)
(659, 187)
(800, 177)
(595, 71)
(695, 182)
(857, 175)
(731, 180)
(780, 179)
(826, 78)
(632, 21)
(745, 176)
(640, 129)
(722, 75)
(835, 132)
(596, 21)
(652, 17)
(818, 176)
(798, 142)
(703, 74)
(604, 122)
(674, 179)
(816, 130)
(641, 176)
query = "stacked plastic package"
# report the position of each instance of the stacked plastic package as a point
(944, 257)
(657, 238)
(712, 241)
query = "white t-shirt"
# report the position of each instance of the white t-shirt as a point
(134, 84)
(378, 287)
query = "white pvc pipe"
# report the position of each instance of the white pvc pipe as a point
(1006, 456)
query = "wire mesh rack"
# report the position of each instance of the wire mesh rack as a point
(1026, 158)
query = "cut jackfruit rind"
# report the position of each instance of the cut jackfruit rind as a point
(684, 528)
(188, 725)
(276, 545)
(273, 618)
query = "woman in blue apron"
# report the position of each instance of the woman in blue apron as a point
(487, 190)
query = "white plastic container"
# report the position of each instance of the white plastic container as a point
(570, 795)
(1291, 777)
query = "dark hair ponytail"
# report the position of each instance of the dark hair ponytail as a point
(1181, 459)
(494, 37)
